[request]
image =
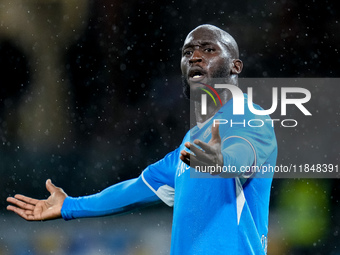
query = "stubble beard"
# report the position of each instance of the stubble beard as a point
(221, 76)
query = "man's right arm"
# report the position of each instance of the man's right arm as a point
(119, 198)
(156, 183)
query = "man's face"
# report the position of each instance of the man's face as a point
(204, 60)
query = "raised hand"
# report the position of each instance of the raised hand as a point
(210, 153)
(37, 210)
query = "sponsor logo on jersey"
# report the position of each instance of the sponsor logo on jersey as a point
(182, 167)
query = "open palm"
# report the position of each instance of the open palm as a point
(33, 209)
(209, 154)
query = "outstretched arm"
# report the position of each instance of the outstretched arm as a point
(118, 198)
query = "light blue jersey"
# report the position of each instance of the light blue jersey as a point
(212, 215)
(215, 215)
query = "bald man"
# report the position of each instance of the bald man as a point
(218, 208)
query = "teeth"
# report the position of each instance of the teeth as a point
(197, 76)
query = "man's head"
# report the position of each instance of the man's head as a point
(209, 55)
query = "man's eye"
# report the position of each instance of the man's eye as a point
(209, 50)
(187, 53)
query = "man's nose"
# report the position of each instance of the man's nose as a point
(196, 57)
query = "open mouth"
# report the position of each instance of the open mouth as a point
(196, 75)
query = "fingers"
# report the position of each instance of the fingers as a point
(205, 146)
(192, 160)
(51, 187)
(204, 154)
(215, 132)
(186, 161)
(22, 205)
(20, 210)
(185, 157)
(197, 151)
(26, 214)
(199, 157)
(23, 202)
(34, 209)
(25, 199)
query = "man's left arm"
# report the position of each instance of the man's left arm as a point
(230, 156)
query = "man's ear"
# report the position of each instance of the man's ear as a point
(236, 67)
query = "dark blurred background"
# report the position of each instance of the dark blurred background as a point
(90, 94)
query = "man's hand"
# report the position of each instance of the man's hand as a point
(33, 209)
(209, 155)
